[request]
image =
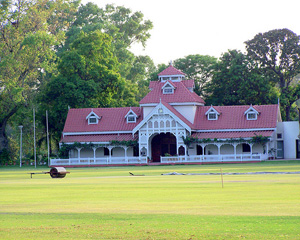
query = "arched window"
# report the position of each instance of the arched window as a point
(167, 123)
(173, 123)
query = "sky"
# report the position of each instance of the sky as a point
(207, 27)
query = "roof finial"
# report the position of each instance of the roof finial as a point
(171, 63)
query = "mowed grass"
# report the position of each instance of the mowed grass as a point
(108, 203)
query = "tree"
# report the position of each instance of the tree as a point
(88, 77)
(124, 26)
(237, 81)
(29, 30)
(277, 52)
(199, 68)
(140, 73)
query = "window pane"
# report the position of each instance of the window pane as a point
(168, 90)
(131, 119)
(212, 116)
(251, 116)
(92, 120)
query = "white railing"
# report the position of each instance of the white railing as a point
(214, 158)
(170, 159)
(98, 161)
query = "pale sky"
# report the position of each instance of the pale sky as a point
(207, 27)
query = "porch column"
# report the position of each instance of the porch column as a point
(109, 151)
(267, 149)
(186, 151)
(94, 149)
(234, 150)
(126, 158)
(78, 149)
(219, 151)
(203, 149)
(251, 144)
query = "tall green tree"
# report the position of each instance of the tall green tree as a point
(124, 26)
(88, 77)
(237, 81)
(277, 52)
(29, 31)
(140, 73)
(199, 68)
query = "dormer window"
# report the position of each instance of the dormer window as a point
(168, 88)
(93, 118)
(212, 114)
(251, 116)
(131, 116)
(251, 113)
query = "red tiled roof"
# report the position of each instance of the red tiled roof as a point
(181, 93)
(189, 83)
(112, 119)
(233, 134)
(99, 138)
(170, 71)
(233, 117)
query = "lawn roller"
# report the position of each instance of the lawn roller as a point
(55, 172)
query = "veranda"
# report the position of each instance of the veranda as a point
(195, 153)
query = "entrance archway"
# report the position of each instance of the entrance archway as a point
(161, 144)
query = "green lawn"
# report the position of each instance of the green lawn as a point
(108, 203)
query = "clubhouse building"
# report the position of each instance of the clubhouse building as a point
(173, 125)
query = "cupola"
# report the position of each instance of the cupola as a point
(171, 74)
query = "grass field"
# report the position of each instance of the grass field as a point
(108, 203)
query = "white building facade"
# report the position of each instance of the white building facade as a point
(173, 125)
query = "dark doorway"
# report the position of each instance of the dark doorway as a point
(181, 151)
(199, 150)
(162, 144)
(298, 148)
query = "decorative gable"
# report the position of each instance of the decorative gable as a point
(93, 118)
(212, 114)
(131, 116)
(168, 88)
(251, 113)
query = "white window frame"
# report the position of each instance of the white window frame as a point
(131, 118)
(93, 117)
(251, 113)
(168, 90)
(210, 114)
